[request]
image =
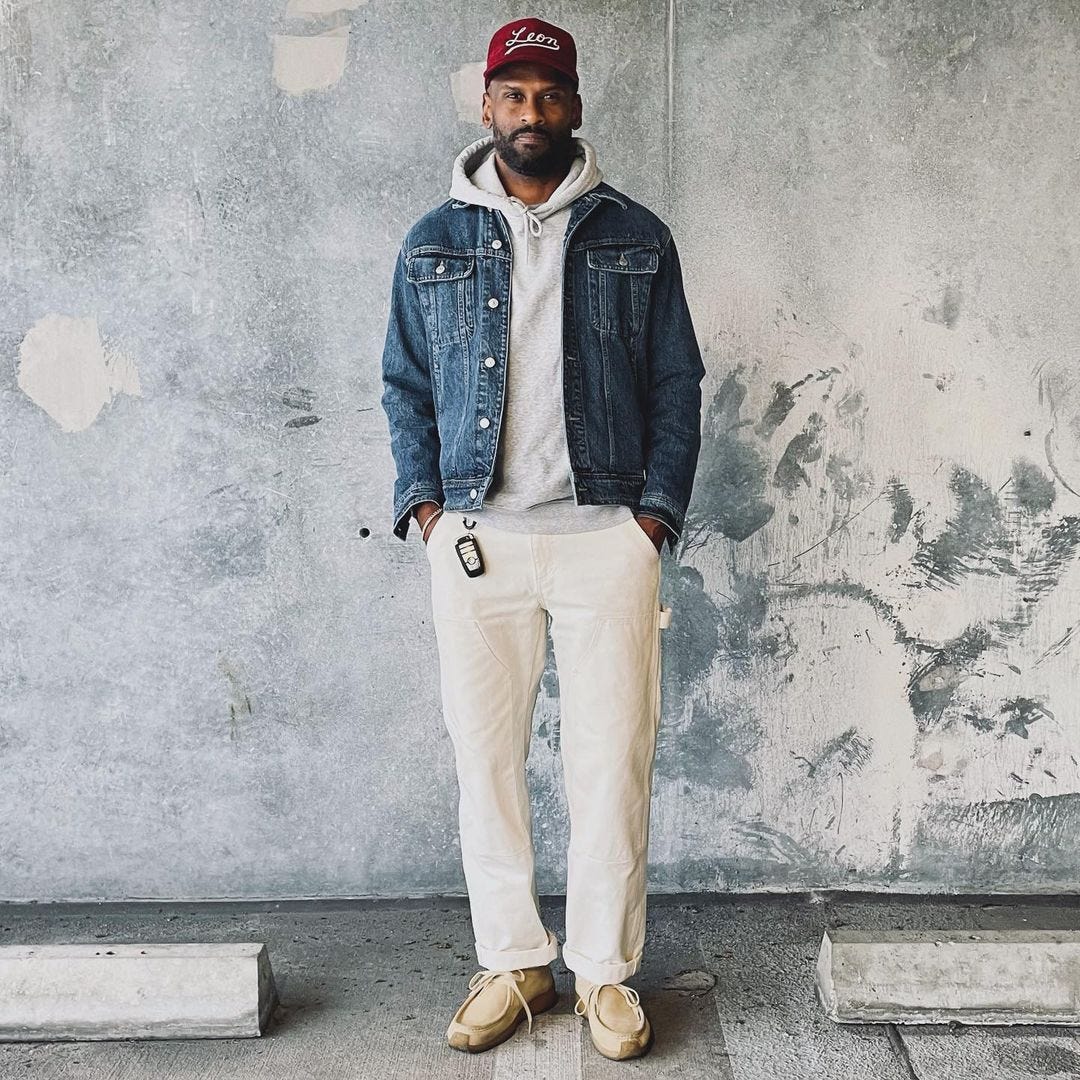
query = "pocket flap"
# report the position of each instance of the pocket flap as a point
(438, 266)
(624, 258)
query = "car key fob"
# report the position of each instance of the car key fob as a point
(468, 552)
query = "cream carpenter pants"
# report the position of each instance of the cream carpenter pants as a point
(601, 589)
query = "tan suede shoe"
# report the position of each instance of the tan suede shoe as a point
(617, 1023)
(497, 1003)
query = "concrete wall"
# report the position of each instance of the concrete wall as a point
(217, 673)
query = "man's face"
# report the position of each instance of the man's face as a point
(534, 99)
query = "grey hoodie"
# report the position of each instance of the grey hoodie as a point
(532, 490)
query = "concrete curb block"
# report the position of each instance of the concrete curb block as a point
(133, 991)
(939, 976)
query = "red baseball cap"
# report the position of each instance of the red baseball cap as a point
(533, 41)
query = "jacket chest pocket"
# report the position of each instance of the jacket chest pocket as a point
(444, 282)
(620, 277)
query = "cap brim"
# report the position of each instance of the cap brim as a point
(490, 73)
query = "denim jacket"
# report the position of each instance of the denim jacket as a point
(632, 368)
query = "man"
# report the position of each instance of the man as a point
(542, 386)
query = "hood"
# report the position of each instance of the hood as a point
(475, 180)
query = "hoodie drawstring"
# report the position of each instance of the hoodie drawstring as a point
(533, 220)
(534, 223)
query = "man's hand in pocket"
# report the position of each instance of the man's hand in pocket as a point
(654, 528)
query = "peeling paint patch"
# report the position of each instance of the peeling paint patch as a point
(1021, 713)
(467, 88)
(694, 639)
(933, 761)
(849, 752)
(315, 62)
(732, 474)
(902, 508)
(1057, 646)
(947, 310)
(981, 724)
(66, 370)
(704, 751)
(853, 405)
(804, 447)
(967, 543)
(299, 397)
(1043, 558)
(1031, 487)
(851, 483)
(773, 845)
(783, 401)
(933, 684)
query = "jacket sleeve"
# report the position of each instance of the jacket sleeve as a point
(409, 403)
(673, 418)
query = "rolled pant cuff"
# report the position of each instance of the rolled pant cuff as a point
(599, 973)
(504, 960)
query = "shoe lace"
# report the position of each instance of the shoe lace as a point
(483, 979)
(589, 1001)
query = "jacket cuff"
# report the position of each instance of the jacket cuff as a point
(418, 493)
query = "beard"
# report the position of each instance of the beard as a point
(550, 157)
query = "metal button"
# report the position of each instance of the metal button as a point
(440, 268)
(489, 361)
(493, 302)
(496, 244)
(484, 421)
(472, 493)
(622, 258)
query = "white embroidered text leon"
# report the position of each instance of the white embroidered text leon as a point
(540, 40)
